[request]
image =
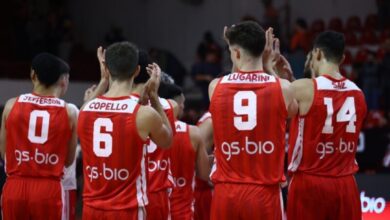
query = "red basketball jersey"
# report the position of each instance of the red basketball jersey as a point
(324, 141)
(113, 154)
(158, 160)
(38, 134)
(199, 183)
(183, 158)
(249, 121)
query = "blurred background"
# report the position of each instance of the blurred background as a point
(185, 38)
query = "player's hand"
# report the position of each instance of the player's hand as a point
(283, 68)
(101, 55)
(88, 93)
(155, 78)
(271, 53)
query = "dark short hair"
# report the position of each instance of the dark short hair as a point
(143, 61)
(122, 60)
(249, 35)
(332, 44)
(169, 91)
(49, 68)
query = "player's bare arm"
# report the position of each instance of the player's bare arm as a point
(72, 115)
(152, 121)
(3, 132)
(303, 92)
(212, 86)
(97, 90)
(151, 124)
(207, 133)
(202, 161)
(289, 100)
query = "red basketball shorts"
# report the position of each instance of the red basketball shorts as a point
(246, 201)
(320, 198)
(90, 213)
(32, 198)
(158, 207)
(203, 204)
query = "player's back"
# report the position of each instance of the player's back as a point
(249, 116)
(324, 141)
(38, 132)
(183, 157)
(113, 154)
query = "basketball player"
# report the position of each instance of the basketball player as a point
(69, 183)
(324, 138)
(113, 131)
(160, 179)
(187, 155)
(38, 139)
(203, 189)
(249, 109)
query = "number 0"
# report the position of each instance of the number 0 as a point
(32, 127)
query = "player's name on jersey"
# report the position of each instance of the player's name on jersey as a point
(42, 101)
(324, 83)
(248, 78)
(120, 106)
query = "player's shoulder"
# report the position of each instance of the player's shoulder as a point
(9, 104)
(194, 132)
(301, 83)
(206, 116)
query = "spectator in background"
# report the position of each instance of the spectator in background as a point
(300, 39)
(271, 16)
(369, 78)
(384, 74)
(300, 45)
(205, 71)
(208, 43)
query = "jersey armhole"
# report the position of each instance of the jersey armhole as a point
(282, 97)
(212, 97)
(314, 99)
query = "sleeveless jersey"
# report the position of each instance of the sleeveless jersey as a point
(158, 160)
(183, 158)
(249, 121)
(199, 183)
(113, 154)
(324, 141)
(38, 134)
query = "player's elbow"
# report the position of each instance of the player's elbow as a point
(166, 139)
(69, 162)
(203, 173)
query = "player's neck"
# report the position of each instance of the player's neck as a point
(250, 65)
(137, 88)
(119, 88)
(330, 69)
(42, 90)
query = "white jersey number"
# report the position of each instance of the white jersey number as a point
(245, 104)
(102, 138)
(32, 127)
(347, 112)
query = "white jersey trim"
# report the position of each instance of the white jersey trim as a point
(324, 83)
(244, 78)
(164, 102)
(115, 106)
(180, 126)
(41, 100)
(298, 148)
(141, 182)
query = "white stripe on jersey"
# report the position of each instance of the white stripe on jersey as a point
(41, 100)
(324, 83)
(298, 148)
(115, 106)
(243, 78)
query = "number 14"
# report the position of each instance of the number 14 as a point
(346, 113)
